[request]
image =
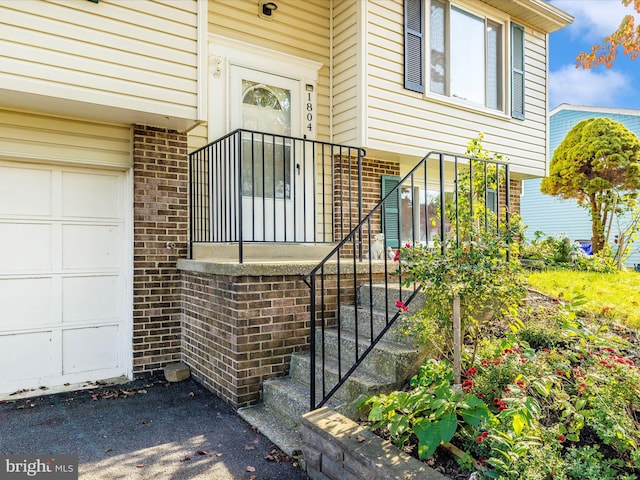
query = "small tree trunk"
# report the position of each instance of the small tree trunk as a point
(457, 341)
(597, 230)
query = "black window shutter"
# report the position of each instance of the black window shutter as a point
(391, 211)
(414, 45)
(517, 71)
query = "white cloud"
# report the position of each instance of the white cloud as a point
(595, 19)
(605, 88)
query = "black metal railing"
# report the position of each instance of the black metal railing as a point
(424, 206)
(251, 186)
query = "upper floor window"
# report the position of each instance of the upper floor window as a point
(465, 55)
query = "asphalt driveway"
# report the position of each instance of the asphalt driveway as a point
(144, 429)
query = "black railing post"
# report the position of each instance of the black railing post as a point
(240, 157)
(442, 206)
(223, 174)
(507, 191)
(359, 199)
(312, 342)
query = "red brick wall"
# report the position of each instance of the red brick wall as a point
(239, 331)
(160, 238)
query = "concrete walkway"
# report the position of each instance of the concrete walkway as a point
(145, 429)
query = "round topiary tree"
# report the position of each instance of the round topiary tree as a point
(597, 164)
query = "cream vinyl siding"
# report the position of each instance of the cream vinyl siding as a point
(34, 137)
(346, 79)
(407, 123)
(299, 28)
(197, 138)
(134, 55)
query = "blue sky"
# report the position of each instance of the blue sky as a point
(617, 87)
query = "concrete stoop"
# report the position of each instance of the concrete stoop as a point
(387, 367)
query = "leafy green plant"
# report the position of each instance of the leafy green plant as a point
(568, 409)
(588, 463)
(477, 263)
(489, 283)
(430, 411)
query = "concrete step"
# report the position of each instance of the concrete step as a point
(375, 296)
(390, 359)
(286, 397)
(280, 430)
(386, 368)
(373, 319)
(360, 384)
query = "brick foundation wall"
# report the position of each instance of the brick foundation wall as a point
(515, 190)
(160, 239)
(239, 331)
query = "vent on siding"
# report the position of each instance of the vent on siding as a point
(414, 45)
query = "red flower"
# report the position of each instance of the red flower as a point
(400, 304)
(562, 438)
(471, 372)
(480, 395)
(407, 245)
(500, 404)
(396, 257)
(479, 438)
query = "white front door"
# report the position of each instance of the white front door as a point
(273, 180)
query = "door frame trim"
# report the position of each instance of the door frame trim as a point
(224, 51)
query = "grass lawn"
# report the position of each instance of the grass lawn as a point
(613, 296)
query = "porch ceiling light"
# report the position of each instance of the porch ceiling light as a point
(268, 8)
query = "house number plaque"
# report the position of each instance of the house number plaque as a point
(310, 112)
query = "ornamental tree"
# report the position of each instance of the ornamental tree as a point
(627, 37)
(597, 164)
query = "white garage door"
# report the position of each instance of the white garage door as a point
(62, 275)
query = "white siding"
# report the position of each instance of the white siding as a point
(197, 138)
(129, 55)
(33, 137)
(346, 78)
(408, 123)
(299, 28)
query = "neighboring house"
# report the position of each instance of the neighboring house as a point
(553, 215)
(101, 101)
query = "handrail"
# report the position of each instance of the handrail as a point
(423, 205)
(252, 186)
